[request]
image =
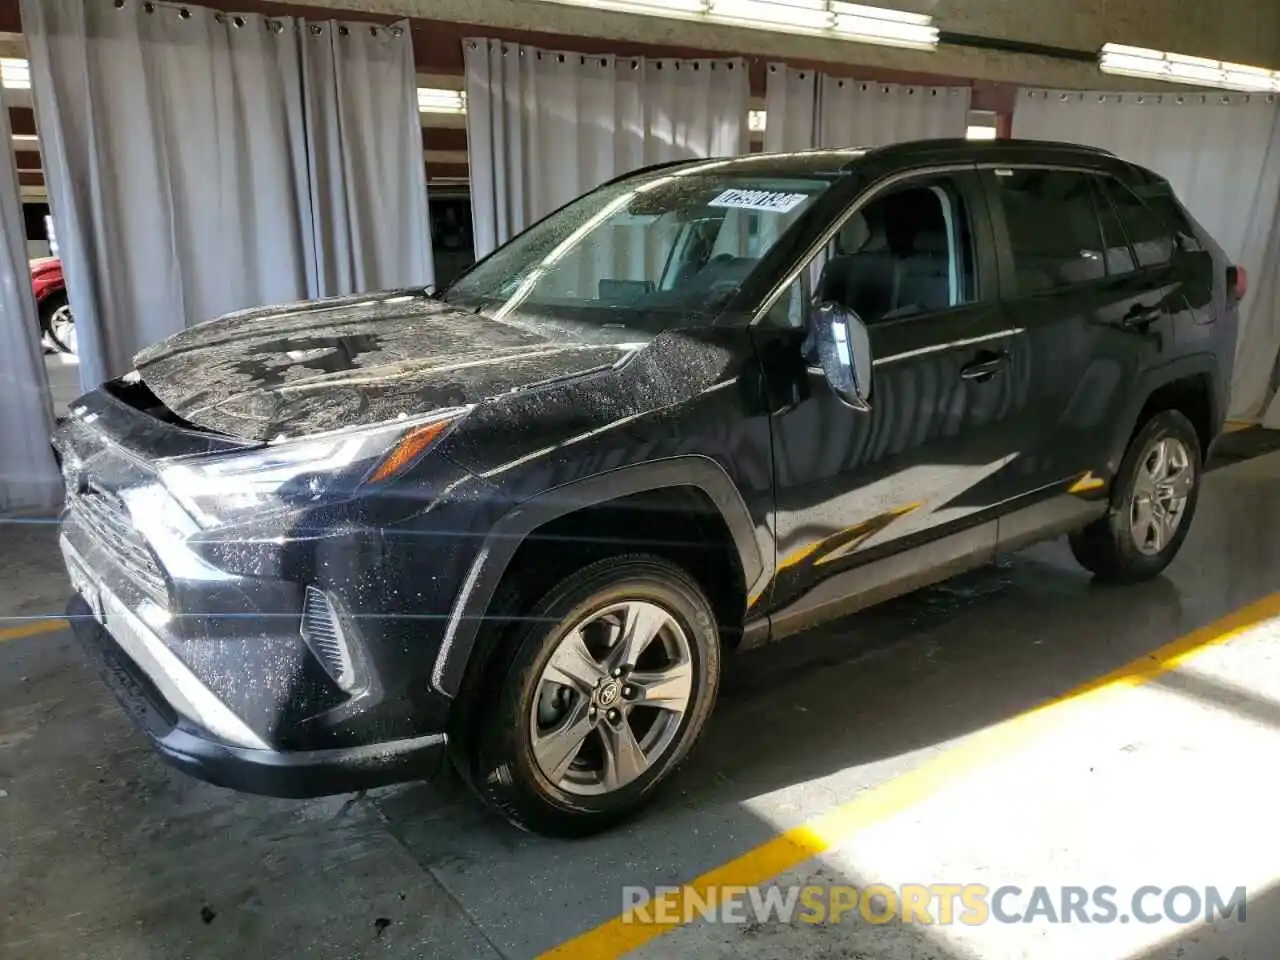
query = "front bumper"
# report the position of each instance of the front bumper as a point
(196, 751)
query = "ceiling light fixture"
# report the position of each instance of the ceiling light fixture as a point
(15, 73)
(1117, 58)
(896, 28)
(435, 100)
(787, 14)
(824, 18)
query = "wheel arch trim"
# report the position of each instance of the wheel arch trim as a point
(1183, 368)
(514, 527)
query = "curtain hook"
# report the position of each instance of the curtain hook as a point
(184, 13)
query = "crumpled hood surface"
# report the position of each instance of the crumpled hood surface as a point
(303, 368)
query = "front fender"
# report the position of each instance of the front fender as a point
(511, 530)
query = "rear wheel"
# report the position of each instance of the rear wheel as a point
(1152, 503)
(594, 698)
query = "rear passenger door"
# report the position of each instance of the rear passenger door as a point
(1070, 283)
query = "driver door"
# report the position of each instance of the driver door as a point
(867, 500)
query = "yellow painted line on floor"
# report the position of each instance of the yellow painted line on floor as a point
(1234, 426)
(618, 936)
(31, 629)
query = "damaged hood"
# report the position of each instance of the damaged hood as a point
(272, 372)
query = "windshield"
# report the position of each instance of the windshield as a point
(643, 252)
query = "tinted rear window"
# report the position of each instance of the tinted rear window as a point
(1053, 228)
(1151, 238)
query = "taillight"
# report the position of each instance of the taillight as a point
(1238, 281)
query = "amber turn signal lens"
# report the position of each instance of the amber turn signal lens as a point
(407, 450)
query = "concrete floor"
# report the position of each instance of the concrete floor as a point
(910, 721)
(64, 380)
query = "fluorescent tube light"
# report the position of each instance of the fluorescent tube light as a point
(657, 8)
(15, 73)
(900, 28)
(660, 6)
(1129, 61)
(434, 100)
(831, 18)
(814, 15)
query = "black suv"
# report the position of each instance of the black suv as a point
(710, 404)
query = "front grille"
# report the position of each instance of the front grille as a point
(322, 632)
(105, 520)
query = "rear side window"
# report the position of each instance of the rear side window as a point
(1175, 218)
(1115, 243)
(1053, 228)
(1151, 239)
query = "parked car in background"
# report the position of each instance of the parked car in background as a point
(707, 405)
(50, 290)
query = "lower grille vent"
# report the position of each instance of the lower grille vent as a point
(322, 631)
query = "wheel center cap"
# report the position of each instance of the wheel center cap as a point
(607, 695)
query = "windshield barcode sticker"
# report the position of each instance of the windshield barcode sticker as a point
(766, 200)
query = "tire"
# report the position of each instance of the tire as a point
(1109, 547)
(49, 309)
(515, 702)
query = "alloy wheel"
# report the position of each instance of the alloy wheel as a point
(611, 698)
(1164, 480)
(62, 328)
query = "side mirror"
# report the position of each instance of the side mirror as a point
(845, 352)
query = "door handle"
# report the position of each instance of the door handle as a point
(1140, 316)
(986, 367)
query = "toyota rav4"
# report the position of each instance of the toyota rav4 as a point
(520, 522)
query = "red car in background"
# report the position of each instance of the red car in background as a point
(56, 322)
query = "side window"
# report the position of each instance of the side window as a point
(1151, 239)
(1053, 228)
(908, 251)
(1115, 244)
(1167, 208)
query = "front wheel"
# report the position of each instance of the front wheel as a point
(595, 698)
(1152, 503)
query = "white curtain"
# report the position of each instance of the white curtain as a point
(200, 162)
(368, 179)
(791, 109)
(808, 109)
(544, 127)
(28, 478)
(1221, 153)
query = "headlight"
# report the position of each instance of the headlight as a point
(293, 473)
